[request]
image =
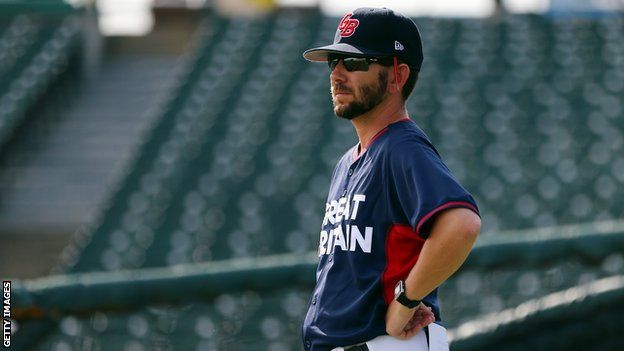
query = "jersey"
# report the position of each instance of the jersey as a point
(378, 215)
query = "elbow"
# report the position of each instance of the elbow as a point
(460, 224)
(472, 227)
(468, 225)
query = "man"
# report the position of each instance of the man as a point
(397, 224)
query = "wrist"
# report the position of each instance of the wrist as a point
(401, 296)
(410, 295)
(413, 293)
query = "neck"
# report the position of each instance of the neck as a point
(370, 123)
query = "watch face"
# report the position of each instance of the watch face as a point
(399, 289)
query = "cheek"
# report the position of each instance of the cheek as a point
(358, 92)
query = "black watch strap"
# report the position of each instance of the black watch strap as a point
(401, 297)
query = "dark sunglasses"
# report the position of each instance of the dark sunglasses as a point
(352, 64)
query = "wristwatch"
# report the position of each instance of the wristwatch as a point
(401, 297)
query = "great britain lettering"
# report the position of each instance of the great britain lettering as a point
(337, 234)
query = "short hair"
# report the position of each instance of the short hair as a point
(410, 83)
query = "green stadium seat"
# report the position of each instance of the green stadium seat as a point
(31, 58)
(526, 111)
(526, 117)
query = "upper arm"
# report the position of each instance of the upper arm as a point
(424, 186)
(462, 223)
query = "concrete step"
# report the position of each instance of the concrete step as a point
(60, 178)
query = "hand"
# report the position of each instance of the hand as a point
(404, 323)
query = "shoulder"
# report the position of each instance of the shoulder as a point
(406, 142)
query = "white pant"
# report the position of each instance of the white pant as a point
(438, 341)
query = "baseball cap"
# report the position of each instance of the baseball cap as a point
(374, 32)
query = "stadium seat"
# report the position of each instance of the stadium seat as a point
(239, 163)
(525, 110)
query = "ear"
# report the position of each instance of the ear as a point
(399, 77)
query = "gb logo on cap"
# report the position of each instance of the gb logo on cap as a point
(348, 25)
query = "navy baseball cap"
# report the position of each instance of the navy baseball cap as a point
(374, 32)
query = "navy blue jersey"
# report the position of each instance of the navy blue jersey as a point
(378, 215)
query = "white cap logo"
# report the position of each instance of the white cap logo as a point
(398, 46)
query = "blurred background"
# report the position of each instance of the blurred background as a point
(164, 166)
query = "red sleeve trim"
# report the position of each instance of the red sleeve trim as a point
(452, 204)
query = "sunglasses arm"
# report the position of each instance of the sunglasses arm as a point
(396, 71)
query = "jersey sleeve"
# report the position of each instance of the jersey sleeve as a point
(423, 185)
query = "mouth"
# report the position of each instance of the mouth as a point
(340, 90)
(341, 98)
(338, 93)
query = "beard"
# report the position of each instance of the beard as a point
(370, 96)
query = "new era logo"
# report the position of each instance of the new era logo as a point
(398, 46)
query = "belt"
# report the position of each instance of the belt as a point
(361, 347)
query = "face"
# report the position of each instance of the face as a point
(355, 93)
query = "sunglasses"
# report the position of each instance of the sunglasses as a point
(353, 64)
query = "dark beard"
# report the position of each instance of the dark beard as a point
(372, 95)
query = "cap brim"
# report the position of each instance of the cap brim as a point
(320, 54)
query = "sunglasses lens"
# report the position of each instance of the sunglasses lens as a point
(350, 63)
(356, 64)
(333, 62)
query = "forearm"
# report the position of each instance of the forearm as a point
(447, 247)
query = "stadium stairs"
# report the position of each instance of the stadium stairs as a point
(73, 143)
